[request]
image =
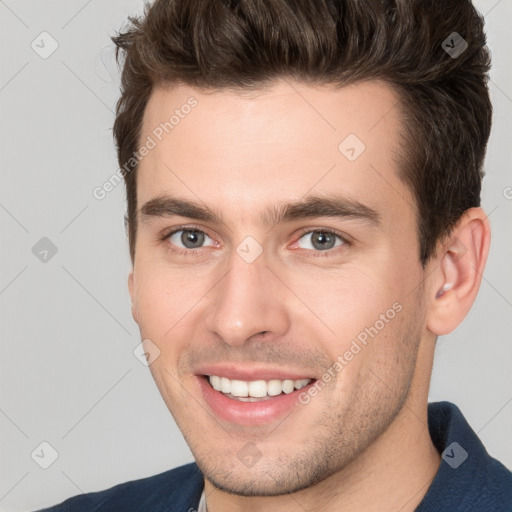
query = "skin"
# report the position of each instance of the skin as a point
(240, 153)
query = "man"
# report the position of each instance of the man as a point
(303, 183)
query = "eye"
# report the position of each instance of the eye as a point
(320, 240)
(189, 238)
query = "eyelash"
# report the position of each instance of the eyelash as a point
(328, 252)
(179, 250)
(313, 253)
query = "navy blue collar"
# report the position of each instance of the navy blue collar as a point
(468, 478)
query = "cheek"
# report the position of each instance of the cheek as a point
(346, 301)
(154, 303)
(165, 300)
(364, 310)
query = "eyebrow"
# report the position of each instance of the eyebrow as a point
(336, 206)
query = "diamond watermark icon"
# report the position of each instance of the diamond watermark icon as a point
(351, 147)
(44, 455)
(249, 455)
(454, 45)
(44, 45)
(454, 455)
(249, 249)
(146, 352)
(44, 250)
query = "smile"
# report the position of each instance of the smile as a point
(257, 401)
(255, 390)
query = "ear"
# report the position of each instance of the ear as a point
(459, 265)
(131, 288)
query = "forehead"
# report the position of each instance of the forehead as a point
(241, 152)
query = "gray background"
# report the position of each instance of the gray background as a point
(68, 373)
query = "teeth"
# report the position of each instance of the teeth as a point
(258, 388)
(274, 387)
(288, 386)
(225, 385)
(215, 382)
(239, 388)
(255, 388)
(299, 384)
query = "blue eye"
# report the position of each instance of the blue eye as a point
(321, 240)
(189, 238)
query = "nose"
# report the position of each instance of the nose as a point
(247, 301)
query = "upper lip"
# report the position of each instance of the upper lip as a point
(251, 372)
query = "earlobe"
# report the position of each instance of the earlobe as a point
(460, 264)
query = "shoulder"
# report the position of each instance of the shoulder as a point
(468, 478)
(495, 487)
(176, 489)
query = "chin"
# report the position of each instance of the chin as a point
(274, 479)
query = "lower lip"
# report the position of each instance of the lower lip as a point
(249, 413)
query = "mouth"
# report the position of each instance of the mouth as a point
(255, 390)
(255, 402)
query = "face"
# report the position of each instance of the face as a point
(276, 276)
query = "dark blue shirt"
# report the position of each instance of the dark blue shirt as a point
(468, 479)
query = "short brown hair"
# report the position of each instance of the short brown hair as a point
(245, 44)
